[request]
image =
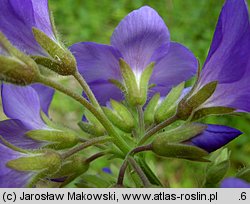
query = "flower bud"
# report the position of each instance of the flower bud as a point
(218, 167)
(94, 127)
(49, 161)
(120, 116)
(169, 144)
(180, 151)
(56, 139)
(181, 133)
(168, 106)
(70, 169)
(16, 67)
(187, 105)
(61, 61)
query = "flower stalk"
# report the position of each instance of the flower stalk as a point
(118, 141)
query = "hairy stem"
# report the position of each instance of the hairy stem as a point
(86, 144)
(157, 128)
(86, 89)
(140, 172)
(118, 140)
(141, 120)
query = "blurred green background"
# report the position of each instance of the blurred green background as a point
(191, 22)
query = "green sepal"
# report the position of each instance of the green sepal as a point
(168, 106)
(149, 112)
(49, 161)
(56, 139)
(16, 67)
(181, 151)
(120, 116)
(118, 84)
(218, 110)
(144, 83)
(71, 168)
(244, 174)
(91, 129)
(62, 62)
(131, 86)
(218, 167)
(181, 133)
(186, 106)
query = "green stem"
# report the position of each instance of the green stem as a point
(89, 143)
(157, 128)
(86, 89)
(140, 172)
(141, 120)
(118, 140)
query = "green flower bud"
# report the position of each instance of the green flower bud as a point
(218, 167)
(61, 61)
(149, 113)
(120, 116)
(71, 168)
(169, 144)
(56, 139)
(16, 67)
(181, 133)
(180, 151)
(48, 162)
(94, 127)
(168, 106)
(187, 105)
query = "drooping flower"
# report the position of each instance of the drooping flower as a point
(234, 183)
(228, 61)
(214, 137)
(23, 105)
(141, 38)
(18, 17)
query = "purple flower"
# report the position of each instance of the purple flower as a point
(234, 183)
(10, 178)
(23, 106)
(140, 38)
(214, 137)
(18, 17)
(228, 60)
